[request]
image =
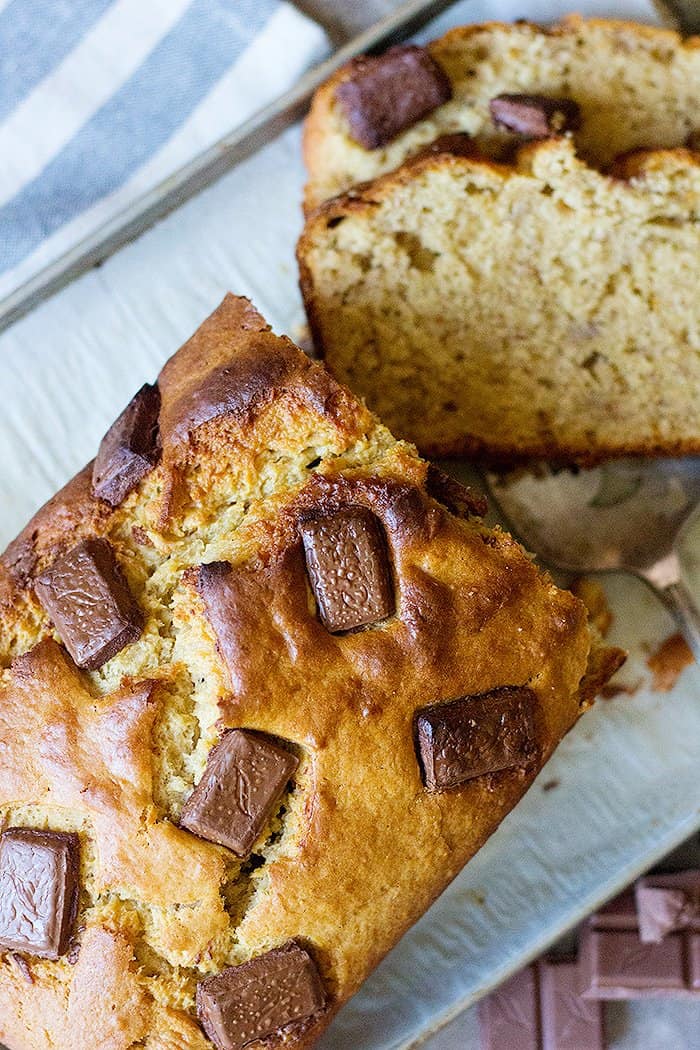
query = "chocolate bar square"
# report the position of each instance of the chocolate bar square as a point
(383, 95)
(535, 116)
(88, 599)
(540, 1009)
(568, 1021)
(129, 449)
(260, 998)
(624, 966)
(474, 735)
(510, 1016)
(39, 873)
(245, 777)
(348, 567)
(644, 944)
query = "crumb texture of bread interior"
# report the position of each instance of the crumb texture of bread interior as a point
(255, 435)
(540, 308)
(636, 86)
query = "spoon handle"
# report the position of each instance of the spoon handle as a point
(665, 579)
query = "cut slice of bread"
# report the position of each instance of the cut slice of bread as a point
(636, 86)
(331, 692)
(541, 309)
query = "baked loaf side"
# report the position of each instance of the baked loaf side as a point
(535, 309)
(635, 86)
(260, 701)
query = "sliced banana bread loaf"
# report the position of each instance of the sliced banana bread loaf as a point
(633, 86)
(534, 309)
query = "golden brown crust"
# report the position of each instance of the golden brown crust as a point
(112, 754)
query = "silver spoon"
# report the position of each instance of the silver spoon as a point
(627, 515)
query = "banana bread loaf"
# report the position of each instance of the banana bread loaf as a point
(263, 694)
(540, 309)
(631, 86)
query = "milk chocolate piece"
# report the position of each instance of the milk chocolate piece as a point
(90, 604)
(535, 116)
(568, 1021)
(458, 143)
(129, 449)
(473, 735)
(510, 1016)
(347, 563)
(617, 964)
(386, 94)
(540, 1009)
(260, 998)
(39, 873)
(245, 777)
(666, 904)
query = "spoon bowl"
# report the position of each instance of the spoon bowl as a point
(626, 515)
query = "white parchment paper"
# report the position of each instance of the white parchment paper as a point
(627, 776)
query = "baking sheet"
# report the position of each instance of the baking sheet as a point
(627, 785)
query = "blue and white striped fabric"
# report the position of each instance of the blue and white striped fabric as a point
(101, 99)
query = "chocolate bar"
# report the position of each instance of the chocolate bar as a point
(540, 1009)
(646, 943)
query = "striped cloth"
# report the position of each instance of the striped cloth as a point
(101, 99)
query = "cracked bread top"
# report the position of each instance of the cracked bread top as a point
(263, 457)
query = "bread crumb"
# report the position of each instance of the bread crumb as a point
(595, 599)
(612, 689)
(667, 663)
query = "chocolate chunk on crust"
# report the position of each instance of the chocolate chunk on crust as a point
(245, 777)
(347, 563)
(535, 116)
(38, 890)
(90, 604)
(473, 735)
(129, 449)
(260, 998)
(388, 93)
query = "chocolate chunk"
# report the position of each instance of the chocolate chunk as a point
(458, 143)
(462, 501)
(616, 965)
(386, 94)
(347, 562)
(129, 449)
(39, 873)
(473, 735)
(535, 116)
(245, 777)
(90, 604)
(260, 998)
